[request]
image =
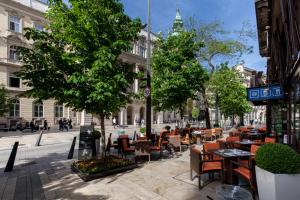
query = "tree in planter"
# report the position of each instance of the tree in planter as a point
(227, 85)
(219, 46)
(177, 75)
(77, 60)
(4, 101)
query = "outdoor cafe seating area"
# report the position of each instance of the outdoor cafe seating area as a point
(231, 158)
(228, 158)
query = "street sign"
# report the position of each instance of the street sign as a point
(271, 92)
(147, 92)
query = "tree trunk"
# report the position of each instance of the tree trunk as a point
(242, 120)
(207, 118)
(217, 110)
(233, 120)
(102, 133)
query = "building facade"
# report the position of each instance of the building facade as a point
(15, 15)
(278, 24)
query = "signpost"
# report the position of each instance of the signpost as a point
(86, 142)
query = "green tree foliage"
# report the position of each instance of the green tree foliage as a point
(4, 101)
(177, 74)
(227, 85)
(220, 45)
(77, 60)
(195, 113)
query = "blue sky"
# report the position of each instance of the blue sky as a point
(231, 12)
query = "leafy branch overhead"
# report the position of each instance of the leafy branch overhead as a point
(219, 46)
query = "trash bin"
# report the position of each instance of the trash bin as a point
(232, 192)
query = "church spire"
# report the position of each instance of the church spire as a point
(178, 23)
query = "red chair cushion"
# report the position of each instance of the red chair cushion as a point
(211, 166)
(243, 171)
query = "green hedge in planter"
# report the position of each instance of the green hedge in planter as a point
(278, 159)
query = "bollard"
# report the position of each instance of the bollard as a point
(39, 138)
(71, 152)
(10, 163)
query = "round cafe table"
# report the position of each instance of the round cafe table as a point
(232, 192)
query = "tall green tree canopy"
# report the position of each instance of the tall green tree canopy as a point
(221, 45)
(227, 84)
(4, 101)
(177, 74)
(77, 60)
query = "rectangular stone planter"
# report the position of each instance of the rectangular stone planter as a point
(89, 177)
(277, 186)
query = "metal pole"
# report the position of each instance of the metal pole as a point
(148, 100)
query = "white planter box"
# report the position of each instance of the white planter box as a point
(277, 186)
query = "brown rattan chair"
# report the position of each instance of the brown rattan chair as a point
(202, 163)
(246, 172)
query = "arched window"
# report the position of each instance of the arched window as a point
(13, 54)
(14, 108)
(58, 110)
(38, 109)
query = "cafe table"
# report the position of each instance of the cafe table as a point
(252, 135)
(229, 155)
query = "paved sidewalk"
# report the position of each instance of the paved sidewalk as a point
(50, 177)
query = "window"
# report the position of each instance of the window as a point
(58, 110)
(14, 81)
(38, 109)
(39, 27)
(13, 54)
(142, 51)
(14, 108)
(14, 24)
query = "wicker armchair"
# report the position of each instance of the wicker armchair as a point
(202, 163)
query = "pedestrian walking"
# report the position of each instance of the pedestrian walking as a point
(65, 125)
(32, 126)
(114, 122)
(45, 125)
(60, 124)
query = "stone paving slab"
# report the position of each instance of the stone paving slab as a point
(50, 178)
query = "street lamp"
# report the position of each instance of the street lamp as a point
(148, 85)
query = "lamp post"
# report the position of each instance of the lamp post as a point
(148, 86)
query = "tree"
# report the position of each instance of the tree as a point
(77, 60)
(227, 85)
(220, 45)
(4, 101)
(195, 113)
(177, 75)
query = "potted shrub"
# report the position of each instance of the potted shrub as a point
(277, 172)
